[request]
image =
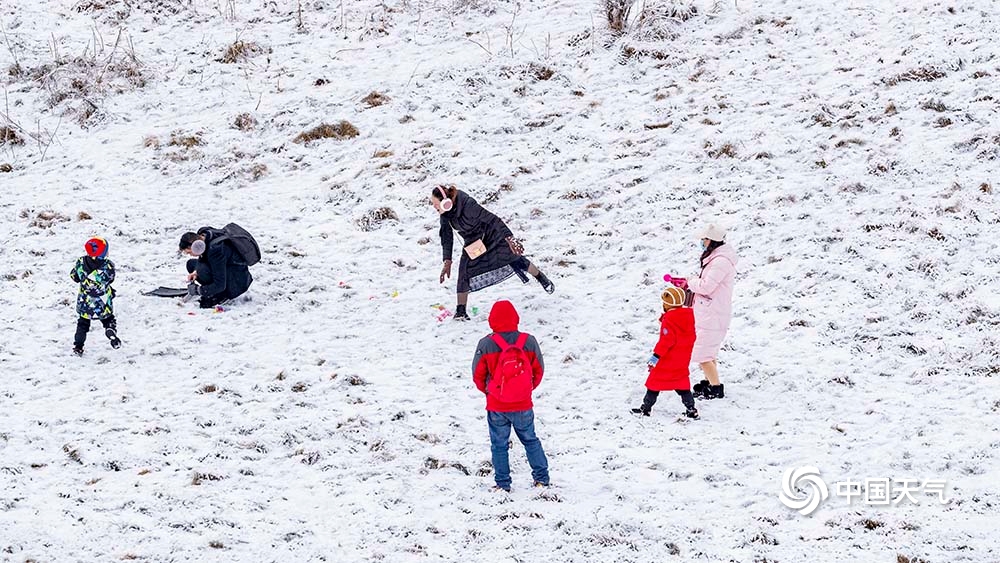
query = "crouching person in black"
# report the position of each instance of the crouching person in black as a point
(218, 272)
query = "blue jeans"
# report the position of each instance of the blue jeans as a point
(524, 426)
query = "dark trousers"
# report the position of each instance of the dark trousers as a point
(83, 327)
(650, 399)
(204, 272)
(205, 278)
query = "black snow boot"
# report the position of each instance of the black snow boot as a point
(715, 392)
(460, 314)
(112, 335)
(641, 411)
(700, 387)
(547, 284)
(78, 349)
(692, 413)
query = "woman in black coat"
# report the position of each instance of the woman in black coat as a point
(491, 254)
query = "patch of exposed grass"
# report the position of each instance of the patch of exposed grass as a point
(9, 136)
(922, 74)
(375, 99)
(245, 122)
(240, 51)
(375, 218)
(340, 130)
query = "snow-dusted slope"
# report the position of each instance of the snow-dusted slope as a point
(851, 146)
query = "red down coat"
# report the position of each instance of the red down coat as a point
(677, 337)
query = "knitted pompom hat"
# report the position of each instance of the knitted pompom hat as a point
(673, 297)
(96, 248)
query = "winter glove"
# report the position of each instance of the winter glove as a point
(680, 282)
(653, 360)
(515, 246)
(194, 289)
(446, 270)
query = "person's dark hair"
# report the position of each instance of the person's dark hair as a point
(449, 191)
(708, 251)
(187, 239)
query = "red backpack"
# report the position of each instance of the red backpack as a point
(513, 381)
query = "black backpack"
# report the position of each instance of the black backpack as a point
(242, 241)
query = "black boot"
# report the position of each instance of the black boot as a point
(691, 413)
(460, 314)
(715, 392)
(78, 349)
(547, 284)
(642, 411)
(112, 335)
(700, 388)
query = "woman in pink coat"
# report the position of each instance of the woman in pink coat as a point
(713, 306)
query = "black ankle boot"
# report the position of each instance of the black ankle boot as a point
(460, 314)
(700, 388)
(547, 284)
(642, 411)
(715, 392)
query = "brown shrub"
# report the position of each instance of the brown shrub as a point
(340, 130)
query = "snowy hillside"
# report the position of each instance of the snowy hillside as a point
(851, 146)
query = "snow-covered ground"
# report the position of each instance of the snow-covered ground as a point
(851, 146)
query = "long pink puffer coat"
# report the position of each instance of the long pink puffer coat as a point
(713, 302)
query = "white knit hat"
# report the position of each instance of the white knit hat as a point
(713, 231)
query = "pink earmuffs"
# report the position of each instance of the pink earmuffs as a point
(446, 202)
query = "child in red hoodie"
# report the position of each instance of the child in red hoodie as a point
(668, 366)
(507, 367)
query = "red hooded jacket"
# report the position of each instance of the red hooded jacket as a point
(677, 337)
(503, 321)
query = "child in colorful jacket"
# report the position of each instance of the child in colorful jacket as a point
(668, 366)
(95, 273)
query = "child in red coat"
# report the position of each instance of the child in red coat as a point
(668, 366)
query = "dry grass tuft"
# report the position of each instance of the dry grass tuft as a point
(5, 167)
(186, 141)
(848, 142)
(83, 216)
(943, 122)
(8, 136)
(208, 388)
(376, 218)
(727, 149)
(934, 105)
(245, 122)
(48, 219)
(986, 188)
(240, 51)
(199, 478)
(340, 130)
(375, 99)
(923, 74)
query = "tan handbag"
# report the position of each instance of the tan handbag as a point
(476, 249)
